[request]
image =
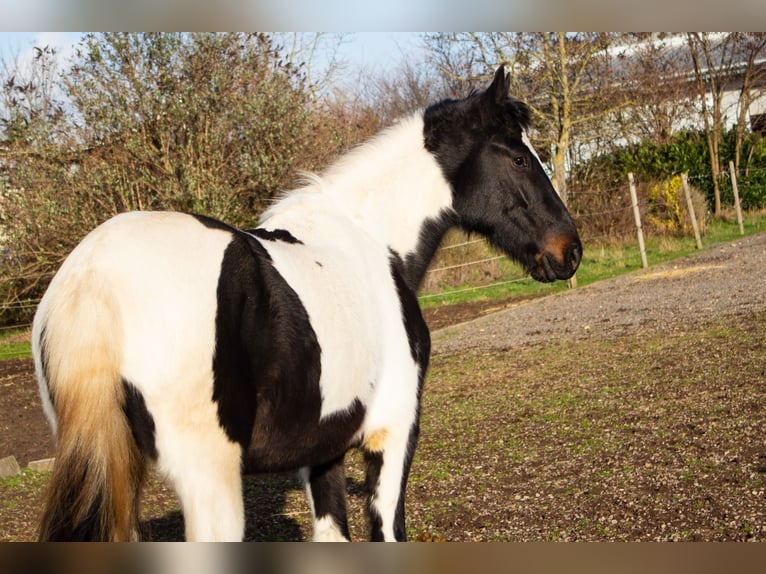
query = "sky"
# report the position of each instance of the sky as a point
(376, 51)
(12, 43)
(380, 49)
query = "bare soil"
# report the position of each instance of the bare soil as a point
(630, 409)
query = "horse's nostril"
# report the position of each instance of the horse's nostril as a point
(574, 254)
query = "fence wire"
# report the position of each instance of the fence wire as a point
(13, 337)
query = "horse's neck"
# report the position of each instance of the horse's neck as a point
(394, 189)
(390, 188)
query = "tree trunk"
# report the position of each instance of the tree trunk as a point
(712, 128)
(564, 106)
(559, 166)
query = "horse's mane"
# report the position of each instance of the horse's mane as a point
(309, 182)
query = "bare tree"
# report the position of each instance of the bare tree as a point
(654, 74)
(714, 56)
(30, 111)
(459, 58)
(752, 49)
(316, 53)
(408, 87)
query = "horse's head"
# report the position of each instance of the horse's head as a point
(499, 187)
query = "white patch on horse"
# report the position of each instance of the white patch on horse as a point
(387, 187)
(327, 530)
(347, 231)
(188, 435)
(341, 290)
(530, 147)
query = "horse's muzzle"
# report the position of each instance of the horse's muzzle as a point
(559, 260)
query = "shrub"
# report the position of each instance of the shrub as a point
(208, 123)
(668, 210)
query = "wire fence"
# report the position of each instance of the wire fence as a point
(612, 223)
(478, 266)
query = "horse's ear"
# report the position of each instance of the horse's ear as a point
(498, 89)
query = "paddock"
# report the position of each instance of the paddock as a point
(670, 449)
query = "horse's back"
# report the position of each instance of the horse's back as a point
(154, 274)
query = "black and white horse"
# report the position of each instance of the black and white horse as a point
(176, 339)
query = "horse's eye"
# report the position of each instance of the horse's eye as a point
(520, 161)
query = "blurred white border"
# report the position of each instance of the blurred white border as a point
(389, 15)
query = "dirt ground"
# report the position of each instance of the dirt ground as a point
(24, 432)
(666, 491)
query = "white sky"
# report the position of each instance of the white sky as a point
(381, 50)
(22, 43)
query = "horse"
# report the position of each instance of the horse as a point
(176, 340)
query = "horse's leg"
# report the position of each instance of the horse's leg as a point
(205, 468)
(326, 492)
(389, 457)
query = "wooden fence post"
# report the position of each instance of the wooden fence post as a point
(737, 204)
(690, 205)
(637, 216)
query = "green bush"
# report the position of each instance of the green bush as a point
(687, 153)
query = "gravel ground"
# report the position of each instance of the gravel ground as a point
(632, 409)
(728, 280)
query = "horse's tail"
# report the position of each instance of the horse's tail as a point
(98, 472)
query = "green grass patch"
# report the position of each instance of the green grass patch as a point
(600, 261)
(15, 344)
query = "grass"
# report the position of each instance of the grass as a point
(601, 439)
(15, 344)
(600, 261)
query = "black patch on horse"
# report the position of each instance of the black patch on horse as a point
(140, 420)
(274, 235)
(373, 462)
(499, 189)
(452, 133)
(328, 491)
(431, 233)
(418, 335)
(212, 223)
(419, 339)
(267, 368)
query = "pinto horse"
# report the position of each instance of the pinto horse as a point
(207, 350)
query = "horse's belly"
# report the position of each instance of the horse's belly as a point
(291, 443)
